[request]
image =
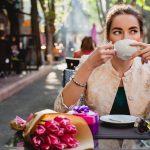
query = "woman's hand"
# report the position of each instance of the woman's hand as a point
(101, 55)
(144, 52)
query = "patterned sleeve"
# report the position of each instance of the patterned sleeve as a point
(59, 105)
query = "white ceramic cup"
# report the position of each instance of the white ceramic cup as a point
(123, 48)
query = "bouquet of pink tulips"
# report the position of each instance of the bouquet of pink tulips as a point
(49, 130)
(54, 134)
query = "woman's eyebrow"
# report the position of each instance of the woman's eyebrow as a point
(116, 28)
(133, 28)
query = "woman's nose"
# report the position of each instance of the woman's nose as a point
(126, 36)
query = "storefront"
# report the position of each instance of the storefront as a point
(23, 26)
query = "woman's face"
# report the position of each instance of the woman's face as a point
(125, 27)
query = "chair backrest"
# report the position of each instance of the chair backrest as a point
(67, 74)
(72, 63)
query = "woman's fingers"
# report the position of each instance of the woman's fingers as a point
(135, 54)
(140, 44)
(139, 52)
(101, 55)
(105, 55)
(107, 52)
(104, 58)
(144, 53)
(106, 47)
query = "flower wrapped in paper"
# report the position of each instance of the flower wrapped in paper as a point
(88, 115)
(48, 130)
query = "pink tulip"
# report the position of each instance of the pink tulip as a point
(70, 141)
(69, 128)
(61, 146)
(45, 147)
(40, 129)
(61, 118)
(54, 139)
(63, 121)
(67, 138)
(36, 141)
(52, 126)
(60, 132)
(47, 139)
(73, 143)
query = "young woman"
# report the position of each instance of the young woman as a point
(87, 46)
(112, 85)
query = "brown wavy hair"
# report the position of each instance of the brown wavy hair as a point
(87, 43)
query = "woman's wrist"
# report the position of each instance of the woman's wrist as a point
(83, 85)
(83, 73)
(88, 67)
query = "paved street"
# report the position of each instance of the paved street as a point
(34, 97)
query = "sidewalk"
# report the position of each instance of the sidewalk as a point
(14, 83)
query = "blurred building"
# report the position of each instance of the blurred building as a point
(23, 24)
(75, 27)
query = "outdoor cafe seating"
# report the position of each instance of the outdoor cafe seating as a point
(72, 63)
(109, 128)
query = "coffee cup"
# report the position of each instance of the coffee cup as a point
(124, 50)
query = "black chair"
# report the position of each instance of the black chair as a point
(72, 63)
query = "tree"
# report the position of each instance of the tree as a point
(48, 7)
(55, 13)
(35, 31)
(145, 9)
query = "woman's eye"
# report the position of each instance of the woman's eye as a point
(117, 32)
(133, 31)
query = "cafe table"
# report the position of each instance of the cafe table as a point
(123, 132)
(108, 131)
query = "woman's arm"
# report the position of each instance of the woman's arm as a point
(72, 91)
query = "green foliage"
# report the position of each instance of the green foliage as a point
(127, 1)
(146, 8)
(114, 1)
(142, 3)
(62, 9)
(58, 14)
